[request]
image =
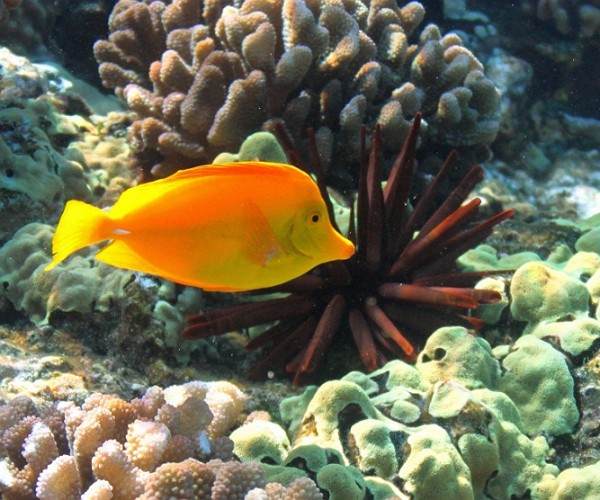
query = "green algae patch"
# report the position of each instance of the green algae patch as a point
(485, 258)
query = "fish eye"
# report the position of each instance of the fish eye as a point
(314, 217)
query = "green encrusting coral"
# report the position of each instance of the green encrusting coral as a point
(463, 423)
(262, 146)
(546, 402)
(467, 421)
(459, 438)
(78, 286)
(581, 483)
(29, 161)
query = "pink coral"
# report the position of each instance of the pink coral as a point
(190, 479)
(59, 480)
(233, 480)
(110, 447)
(146, 443)
(112, 464)
(148, 461)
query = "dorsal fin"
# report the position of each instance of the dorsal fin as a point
(145, 194)
(235, 169)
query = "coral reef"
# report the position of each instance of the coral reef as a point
(454, 413)
(557, 301)
(452, 424)
(29, 162)
(201, 80)
(76, 287)
(511, 413)
(21, 78)
(580, 483)
(152, 315)
(484, 419)
(168, 442)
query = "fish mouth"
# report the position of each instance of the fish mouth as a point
(336, 247)
(346, 246)
(340, 247)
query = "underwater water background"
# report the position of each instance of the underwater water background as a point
(100, 395)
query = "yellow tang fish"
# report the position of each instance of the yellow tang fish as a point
(223, 227)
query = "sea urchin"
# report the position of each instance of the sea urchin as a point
(401, 281)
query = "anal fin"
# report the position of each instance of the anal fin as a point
(119, 254)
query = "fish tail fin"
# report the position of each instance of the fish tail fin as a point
(80, 225)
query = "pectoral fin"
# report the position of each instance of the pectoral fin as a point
(261, 242)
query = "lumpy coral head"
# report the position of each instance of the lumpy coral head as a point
(397, 289)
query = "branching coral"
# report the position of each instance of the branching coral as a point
(570, 17)
(396, 284)
(170, 443)
(203, 76)
(149, 445)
